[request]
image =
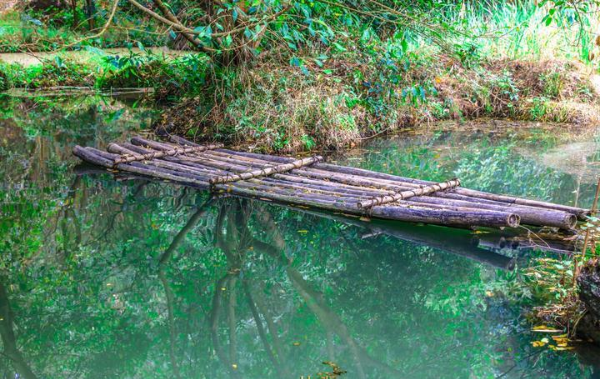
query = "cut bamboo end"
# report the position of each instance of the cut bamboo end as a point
(570, 221)
(513, 220)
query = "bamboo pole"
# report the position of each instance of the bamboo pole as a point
(444, 216)
(265, 171)
(410, 193)
(356, 185)
(159, 154)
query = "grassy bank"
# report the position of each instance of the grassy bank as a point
(331, 100)
(338, 84)
(345, 100)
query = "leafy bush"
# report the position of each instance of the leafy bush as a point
(50, 73)
(170, 78)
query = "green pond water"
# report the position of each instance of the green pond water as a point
(107, 277)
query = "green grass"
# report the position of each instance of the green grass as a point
(518, 30)
(171, 77)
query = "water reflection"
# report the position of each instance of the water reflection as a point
(9, 340)
(105, 278)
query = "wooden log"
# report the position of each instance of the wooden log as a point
(579, 212)
(410, 193)
(118, 149)
(417, 214)
(266, 171)
(159, 154)
(181, 141)
(140, 141)
(530, 215)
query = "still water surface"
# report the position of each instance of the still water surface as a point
(105, 277)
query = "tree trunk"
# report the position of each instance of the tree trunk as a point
(589, 293)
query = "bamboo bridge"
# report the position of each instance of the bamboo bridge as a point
(310, 182)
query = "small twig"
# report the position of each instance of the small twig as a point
(104, 28)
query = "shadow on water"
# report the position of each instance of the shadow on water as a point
(104, 278)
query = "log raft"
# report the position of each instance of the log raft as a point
(313, 183)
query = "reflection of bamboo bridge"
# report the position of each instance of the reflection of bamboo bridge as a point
(309, 182)
(234, 237)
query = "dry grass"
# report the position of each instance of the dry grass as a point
(275, 108)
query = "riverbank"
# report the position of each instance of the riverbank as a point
(335, 104)
(282, 109)
(328, 82)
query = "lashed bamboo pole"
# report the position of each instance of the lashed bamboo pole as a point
(579, 212)
(450, 217)
(410, 193)
(530, 215)
(160, 154)
(265, 171)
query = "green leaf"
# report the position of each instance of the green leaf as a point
(339, 47)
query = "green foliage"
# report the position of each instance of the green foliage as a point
(539, 108)
(170, 78)
(50, 73)
(553, 84)
(4, 84)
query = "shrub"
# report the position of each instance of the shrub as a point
(51, 73)
(170, 78)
